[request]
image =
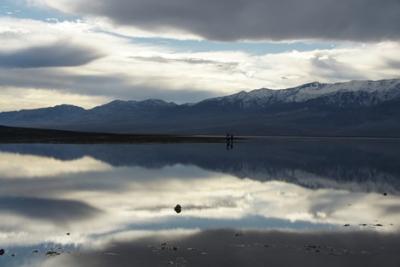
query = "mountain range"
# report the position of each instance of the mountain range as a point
(355, 165)
(356, 108)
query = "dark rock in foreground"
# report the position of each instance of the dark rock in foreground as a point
(178, 208)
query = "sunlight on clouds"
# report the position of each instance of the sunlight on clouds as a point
(37, 98)
(133, 70)
(213, 196)
(23, 166)
(97, 202)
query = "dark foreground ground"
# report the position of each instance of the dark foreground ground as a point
(27, 135)
(229, 248)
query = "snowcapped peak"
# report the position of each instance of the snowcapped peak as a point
(381, 90)
(377, 92)
(315, 85)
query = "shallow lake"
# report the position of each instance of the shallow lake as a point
(113, 205)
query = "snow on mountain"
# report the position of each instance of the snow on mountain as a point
(376, 91)
(315, 90)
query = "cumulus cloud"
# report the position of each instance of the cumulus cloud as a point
(136, 71)
(196, 76)
(59, 54)
(359, 20)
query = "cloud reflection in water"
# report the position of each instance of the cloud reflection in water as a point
(99, 202)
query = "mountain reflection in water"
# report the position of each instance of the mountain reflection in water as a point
(119, 194)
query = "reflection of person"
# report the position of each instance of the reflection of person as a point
(229, 141)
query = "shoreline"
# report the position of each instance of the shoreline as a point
(20, 135)
(48, 136)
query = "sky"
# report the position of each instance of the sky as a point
(90, 52)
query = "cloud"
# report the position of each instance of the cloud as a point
(192, 61)
(135, 70)
(59, 54)
(26, 98)
(331, 68)
(190, 77)
(60, 211)
(226, 66)
(111, 86)
(393, 63)
(228, 20)
(19, 166)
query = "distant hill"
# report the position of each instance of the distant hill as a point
(357, 108)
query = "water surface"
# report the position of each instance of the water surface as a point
(97, 201)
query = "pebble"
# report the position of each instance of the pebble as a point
(52, 253)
